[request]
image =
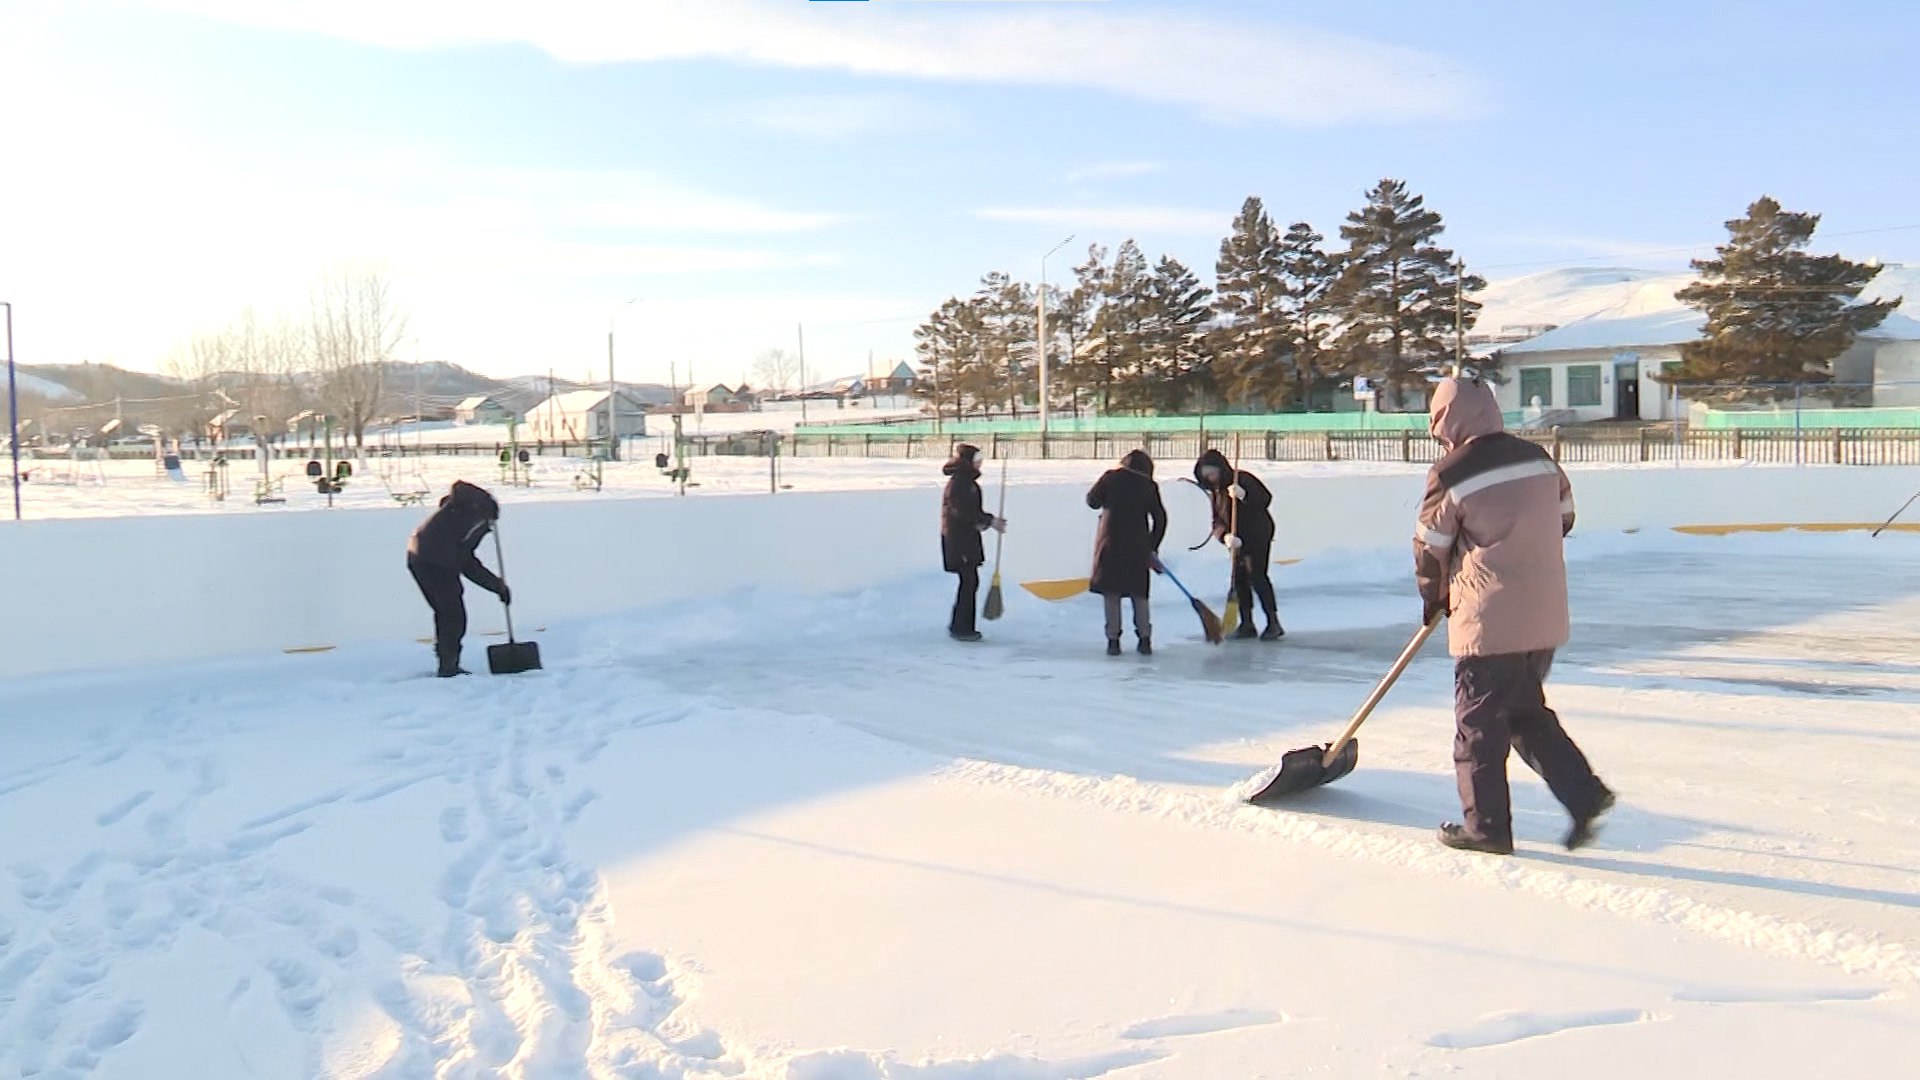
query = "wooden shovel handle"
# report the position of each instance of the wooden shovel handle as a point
(1380, 691)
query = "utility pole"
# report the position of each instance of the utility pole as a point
(13, 412)
(802, 329)
(1040, 339)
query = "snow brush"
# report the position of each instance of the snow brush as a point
(1314, 766)
(1896, 514)
(996, 605)
(1209, 622)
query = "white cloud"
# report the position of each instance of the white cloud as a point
(1114, 170)
(1115, 219)
(1227, 68)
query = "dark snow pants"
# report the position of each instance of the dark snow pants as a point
(1500, 702)
(1253, 574)
(441, 586)
(965, 604)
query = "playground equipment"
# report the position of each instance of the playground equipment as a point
(593, 474)
(268, 490)
(678, 472)
(516, 469)
(393, 474)
(216, 478)
(330, 479)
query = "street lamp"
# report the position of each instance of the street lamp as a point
(1040, 335)
(13, 412)
(613, 393)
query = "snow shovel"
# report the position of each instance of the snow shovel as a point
(996, 605)
(1314, 766)
(1209, 622)
(512, 657)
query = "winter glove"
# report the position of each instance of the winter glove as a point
(1154, 562)
(999, 525)
(506, 594)
(1237, 492)
(1233, 542)
(1433, 609)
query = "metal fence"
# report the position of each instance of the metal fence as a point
(1585, 445)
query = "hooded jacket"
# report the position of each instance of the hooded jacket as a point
(963, 515)
(450, 535)
(1256, 517)
(1133, 522)
(1489, 541)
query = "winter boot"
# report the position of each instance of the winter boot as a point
(1584, 829)
(964, 635)
(1246, 631)
(1458, 838)
(449, 664)
(1113, 646)
(1274, 631)
(1146, 646)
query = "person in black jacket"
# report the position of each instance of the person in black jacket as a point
(440, 551)
(1251, 542)
(963, 518)
(1133, 522)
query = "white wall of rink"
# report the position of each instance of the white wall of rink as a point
(103, 594)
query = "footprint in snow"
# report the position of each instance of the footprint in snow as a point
(1498, 1029)
(453, 824)
(115, 814)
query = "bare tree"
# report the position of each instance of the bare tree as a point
(777, 369)
(356, 327)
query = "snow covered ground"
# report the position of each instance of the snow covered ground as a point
(769, 835)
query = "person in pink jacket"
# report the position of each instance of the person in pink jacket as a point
(1488, 555)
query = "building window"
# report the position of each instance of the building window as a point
(1583, 384)
(1536, 382)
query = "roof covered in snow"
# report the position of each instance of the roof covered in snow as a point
(1642, 311)
(579, 401)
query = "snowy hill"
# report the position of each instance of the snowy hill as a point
(30, 383)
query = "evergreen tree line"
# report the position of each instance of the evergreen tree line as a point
(1290, 320)
(1287, 321)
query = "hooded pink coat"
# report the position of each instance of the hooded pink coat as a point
(1489, 540)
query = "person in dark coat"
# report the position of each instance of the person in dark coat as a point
(1251, 542)
(440, 552)
(963, 518)
(1133, 522)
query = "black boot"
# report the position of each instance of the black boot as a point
(1274, 631)
(1458, 838)
(449, 663)
(1246, 631)
(1113, 646)
(1146, 646)
(1584, 829)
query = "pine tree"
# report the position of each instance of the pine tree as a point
(1083, 372)
(1395, 297)
(1176, 362)
(951, 352)
(1007, 312)
(1250, 293)
(1307, 277)
(1775, 314)
(1115, 344)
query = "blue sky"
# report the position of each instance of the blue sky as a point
(746, 165)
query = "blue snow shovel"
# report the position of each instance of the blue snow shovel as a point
(1209, 622)
(1314, 766)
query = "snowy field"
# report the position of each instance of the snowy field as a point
(778, 833)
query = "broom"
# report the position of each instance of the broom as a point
(1209, 622)
(1231, 620)
(996, 606)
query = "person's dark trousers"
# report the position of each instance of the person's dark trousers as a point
(964, 605)
(1500, 702)
(441, 586)
(1253, 574)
